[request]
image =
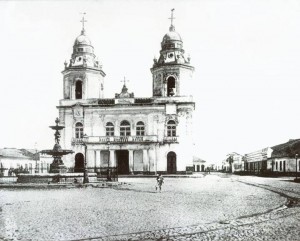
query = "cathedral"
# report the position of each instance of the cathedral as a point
(133, 135)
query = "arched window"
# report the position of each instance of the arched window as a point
(78, 90)
(125, 128)
(110, 129)
(79, 130)
(171, 86)
(140, 128)
(171, 128)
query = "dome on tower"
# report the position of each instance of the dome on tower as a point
(172, 36)
(82, 39)
(172, 51)
(171, 40)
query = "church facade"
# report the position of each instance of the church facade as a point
(135, 135)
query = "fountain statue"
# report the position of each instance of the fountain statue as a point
(57, 152)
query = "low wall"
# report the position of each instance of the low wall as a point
(8, 179)
(55, 178)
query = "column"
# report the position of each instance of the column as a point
(90, 159)
(131, 167)
(145, 160)
(156, 157)
(152, 159)
(72, 94)
(98, 163)
(112, 162)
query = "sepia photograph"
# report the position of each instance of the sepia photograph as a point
(150, 120)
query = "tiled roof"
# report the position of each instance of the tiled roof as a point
(197, 159)
(17, 153)
(288, 149)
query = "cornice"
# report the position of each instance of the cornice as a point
(69, 70)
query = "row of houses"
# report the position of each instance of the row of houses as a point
(14, 161)
(281, 159)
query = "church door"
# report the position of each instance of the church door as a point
(171, 163)
(123, 161)
(79, 163)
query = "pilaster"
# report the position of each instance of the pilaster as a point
(131, 167)
(112, 161)
(145, 161)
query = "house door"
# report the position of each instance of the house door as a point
(171, 163)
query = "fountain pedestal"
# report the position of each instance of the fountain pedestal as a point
(58, 168)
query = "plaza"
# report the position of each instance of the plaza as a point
(209, 207)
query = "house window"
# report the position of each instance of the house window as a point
(110, 129)
(171, 128)
(276, 166)
(78, 130)
(140, 128)
(125, 128)
(280, 165)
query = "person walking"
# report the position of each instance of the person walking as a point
(156, 185)
(160, 181)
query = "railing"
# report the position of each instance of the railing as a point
(108, 173)
(104, 173)
(170, 139)
(120, 139)
(77, 141)
(123, 139)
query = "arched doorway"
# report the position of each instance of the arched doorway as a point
(171, 163)
(79, 163)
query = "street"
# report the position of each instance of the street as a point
(211, 207)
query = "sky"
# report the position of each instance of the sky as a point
(246, 56)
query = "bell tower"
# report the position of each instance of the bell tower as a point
(83, 76)
(172, 72)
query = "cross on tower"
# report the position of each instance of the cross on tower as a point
(124, 80)
(172, 17)
(83, 21)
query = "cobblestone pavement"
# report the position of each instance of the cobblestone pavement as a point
(215, 207)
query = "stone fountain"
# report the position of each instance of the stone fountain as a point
(58, 171)
(57, 152)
